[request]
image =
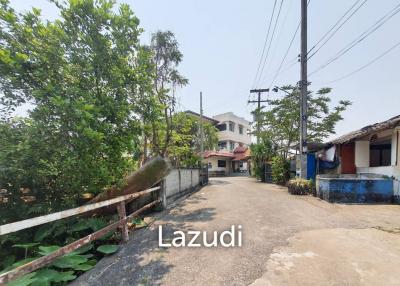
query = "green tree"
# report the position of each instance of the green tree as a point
(261, 154)
(280, 123)
(166, 57)
(86, 75)
(184, 149)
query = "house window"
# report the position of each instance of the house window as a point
(232, 145)
(221, 127)
(209, 165)
(232, 126)
(380, 154)
(240, 129)
(222, 145)
(241, 164)
(221, 164)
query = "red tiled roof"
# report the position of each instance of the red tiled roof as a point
(242, 154)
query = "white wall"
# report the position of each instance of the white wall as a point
(214, 163)
(235, 135)
(362, 154)
(385, 170)
(181, 180)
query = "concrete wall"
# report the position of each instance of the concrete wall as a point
(355, 190)
(362, 154)
(180, 182)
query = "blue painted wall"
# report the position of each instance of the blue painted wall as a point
(355, 190)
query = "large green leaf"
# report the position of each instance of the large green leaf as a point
(83, 267)
(44, 250)
(46, 276)
(107, 248)
(82, 249)
(24, 280)
(69, 261)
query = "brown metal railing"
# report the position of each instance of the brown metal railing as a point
(47, 259)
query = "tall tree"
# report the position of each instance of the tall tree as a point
(280, 123)
(166, 58)
(84, 75)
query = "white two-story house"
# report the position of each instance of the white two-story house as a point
(233, 151)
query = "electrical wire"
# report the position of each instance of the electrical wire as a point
(279, 36)
(287, 52)
(270, 42)
(366, 65)
(362, 37)
(265, 44)
(338, 28)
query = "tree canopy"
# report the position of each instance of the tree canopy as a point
(280, 121)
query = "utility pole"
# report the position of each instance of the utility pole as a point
(303, 92)
(201, 128)
(258, 101)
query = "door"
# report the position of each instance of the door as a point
(347, 154)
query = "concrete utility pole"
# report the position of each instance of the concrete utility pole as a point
(201, 128)
(258, 101)
(303, 92)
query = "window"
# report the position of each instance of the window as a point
(222, 145)
(221, 127)
(232, 126)
(240, 164)
(209, 165)
(221, 164)
(232, 145)
(240, 129)
(380, 154)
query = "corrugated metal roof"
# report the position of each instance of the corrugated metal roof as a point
(392, 122)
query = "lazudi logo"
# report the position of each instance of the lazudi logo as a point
(196, 238)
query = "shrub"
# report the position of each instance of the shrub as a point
(300, 186)
(280, 170)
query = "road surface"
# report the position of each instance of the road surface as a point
(287, 240)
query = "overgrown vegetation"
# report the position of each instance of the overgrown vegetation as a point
(300, 186)
(280, 170)
(101, 103)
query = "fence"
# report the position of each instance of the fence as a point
(121, 223)
(180, 182)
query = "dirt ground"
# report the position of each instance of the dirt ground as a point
(287, 240)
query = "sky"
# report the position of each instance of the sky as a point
(222, 42)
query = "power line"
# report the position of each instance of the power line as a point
(287, 52)
(265, 43)
(338, 28)
(270, 42)
(363, 36)
(279, 35)
(367, 64)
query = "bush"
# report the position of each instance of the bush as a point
(280, 170)
(300, 186)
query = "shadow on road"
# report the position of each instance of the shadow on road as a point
(141, 260)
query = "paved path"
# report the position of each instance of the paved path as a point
(287, 240)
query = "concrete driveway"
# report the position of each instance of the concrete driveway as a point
(287, 240)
